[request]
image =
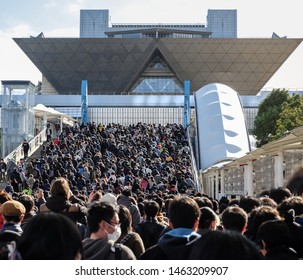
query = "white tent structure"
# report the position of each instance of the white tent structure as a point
(48, 114)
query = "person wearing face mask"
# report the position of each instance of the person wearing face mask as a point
(104, 226)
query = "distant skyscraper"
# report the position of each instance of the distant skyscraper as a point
(93, 23)
(222, 23)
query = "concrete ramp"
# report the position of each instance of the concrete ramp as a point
(221, 128)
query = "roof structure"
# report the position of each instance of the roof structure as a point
(52, 114)
(222, 133)
(115, 64)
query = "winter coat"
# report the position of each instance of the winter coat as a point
(103, 249)
(173, 245)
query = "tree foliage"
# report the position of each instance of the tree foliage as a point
(265, 124)
(291, 116)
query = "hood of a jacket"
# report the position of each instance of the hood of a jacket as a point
(96, 249)
(177, 243)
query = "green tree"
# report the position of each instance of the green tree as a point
(291, 116)
(265, 124)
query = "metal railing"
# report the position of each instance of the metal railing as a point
(198, 184)
(34, 145)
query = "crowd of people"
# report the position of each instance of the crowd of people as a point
(127, 192)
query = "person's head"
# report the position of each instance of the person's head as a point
(60, 187)
(125, 218)
(248, 203)
(4, 196)
(295, 182)
(103, 220)
(184, 212)
(279, 194)
(268, 201)
(28, 202)
(204, 201)
(97, 195)
(50, 236)
(224, 245)
(258, 216)
(234, 218)
(109, 197)
(208, 218)
(151, 208)
(12, 211)
(272, 234)
(294, 202)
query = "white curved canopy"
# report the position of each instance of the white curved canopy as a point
(52, 114)
(222, 133)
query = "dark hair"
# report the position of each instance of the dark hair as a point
(100, 211)
(268, 201)
(125, 218)
(50, 236)
(274, 233)
(183, 212)
(204, 201)
(151, 208)
(258, 216)
(279, 194)
(207, 216)
(234, 218)
(248, 203)
(224, 245)
(295, 182)
(294, 202)
(27, 201)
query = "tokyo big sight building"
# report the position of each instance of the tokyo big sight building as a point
(135, 72)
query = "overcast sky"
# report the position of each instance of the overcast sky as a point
(61, 18)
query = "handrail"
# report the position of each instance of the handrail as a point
(193, 164)
(34, 145)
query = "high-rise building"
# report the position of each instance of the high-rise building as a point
(93, 23)
(220, 24)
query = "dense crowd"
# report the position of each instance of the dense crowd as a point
(127, 192)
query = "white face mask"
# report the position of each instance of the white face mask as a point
(115, 235)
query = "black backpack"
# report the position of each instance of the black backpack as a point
(6, 237)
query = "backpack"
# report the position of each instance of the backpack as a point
(6, 237)
(118, 251)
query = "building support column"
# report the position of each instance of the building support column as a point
(279, 178)
(222, 174)
(216, 174)
(248, 179)
(212, 190)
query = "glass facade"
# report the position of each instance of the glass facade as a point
(250, 114)
(153, 80)
(93, 23)
(17, 115)
(157, 86)
(222, 23)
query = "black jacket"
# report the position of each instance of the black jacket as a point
(150, 232)
(173, 245)
(282, 253)
(102, 249)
